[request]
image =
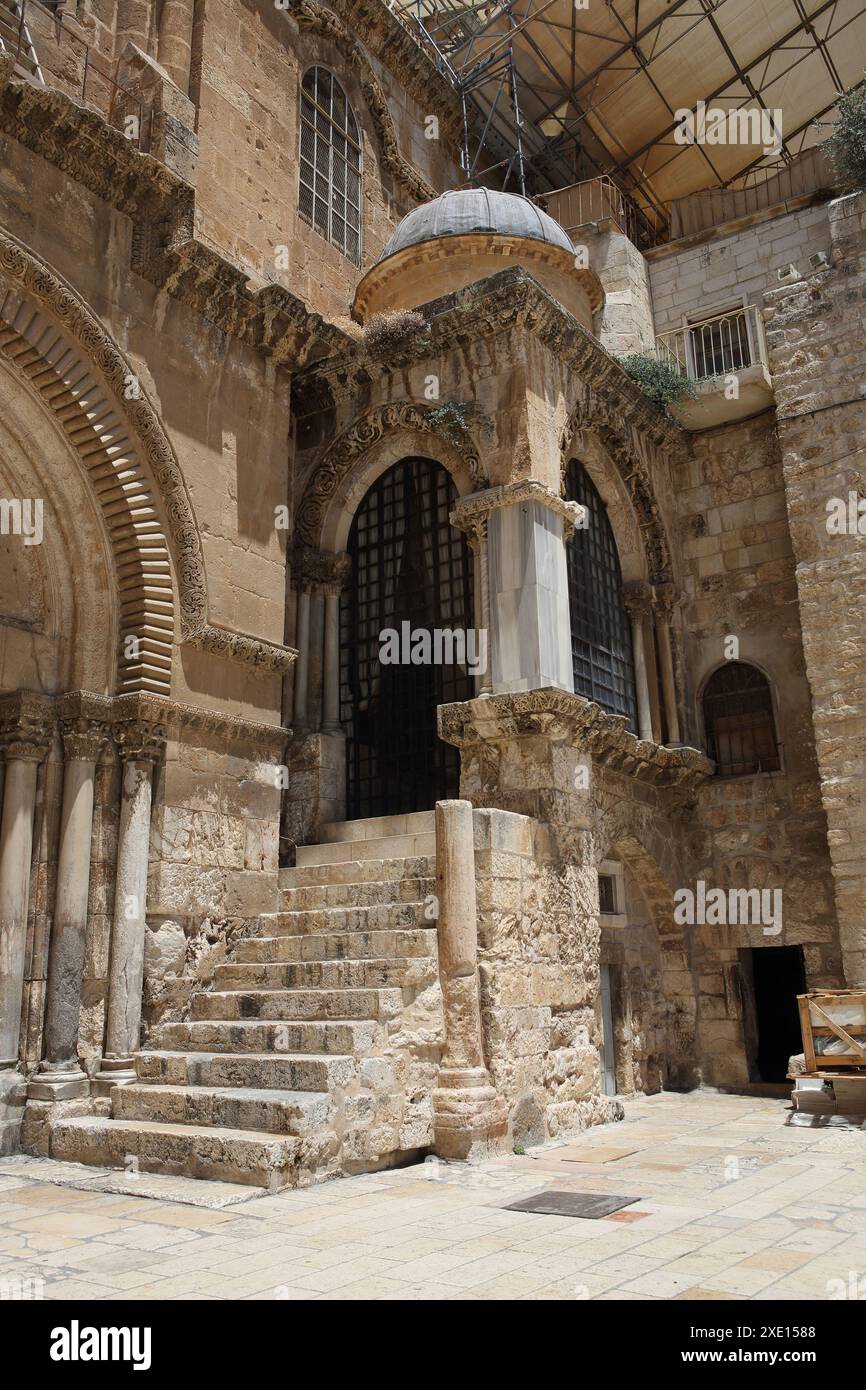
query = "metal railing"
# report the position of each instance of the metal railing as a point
(47, 50)
(716, 346)
(598, 200)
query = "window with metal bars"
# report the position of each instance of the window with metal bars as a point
(601, 649)
(409, 565)
(329, 189)
(739, 722)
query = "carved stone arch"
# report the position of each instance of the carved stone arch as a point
(52, 339)
(592, 419)
(315, 18)
(412, 419)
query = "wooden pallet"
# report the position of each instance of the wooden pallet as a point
(820, 1015)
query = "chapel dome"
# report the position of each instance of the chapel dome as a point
(462, 211)
(466, 235)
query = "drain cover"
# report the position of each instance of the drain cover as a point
(591, 1205)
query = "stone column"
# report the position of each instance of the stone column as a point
(60, 1075)
(331, 675)
(527, 527)
(133, 24)
(469, 1118)
(175, 41)
(302, 666)
(663, 613)
(637, 601)
(140, 746)
(477, 536)
(26, 746)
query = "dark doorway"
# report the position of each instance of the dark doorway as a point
(774, 976)
(409, 566)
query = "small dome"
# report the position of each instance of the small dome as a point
(461, 212)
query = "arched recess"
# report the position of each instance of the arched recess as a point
(372, 443)
(58, 597)
(63, 352)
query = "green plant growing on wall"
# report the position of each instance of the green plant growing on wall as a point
(658, 378)
(387, 335)
(847, 145)
(453, 418)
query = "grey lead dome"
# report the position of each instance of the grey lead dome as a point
(462, 211)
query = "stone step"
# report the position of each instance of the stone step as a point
(260, 1070)
(359, 871)
(348, 851)
(378, 827)
(369, 894)
(224, 1155)
(351, 1037)
(223, 1107)
(326, 974)
(326, 920)
(352, 945)
(285, 1005)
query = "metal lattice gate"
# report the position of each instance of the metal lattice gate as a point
(410, 566)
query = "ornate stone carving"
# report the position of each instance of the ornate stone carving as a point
(338, 460)
(26, 725)
(478, 506)
(140, 741)
(237, 646)
(320, 569)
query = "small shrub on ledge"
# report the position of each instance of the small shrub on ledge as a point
(659, 379)
(847, 145)
(390, 334)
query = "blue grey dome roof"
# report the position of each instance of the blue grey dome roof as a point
(465, 210)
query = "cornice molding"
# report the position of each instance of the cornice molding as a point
(563, 717)
(239, 646)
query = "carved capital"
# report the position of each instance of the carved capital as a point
(475, 509)
(140, 741)
(665, 600)
(84, 739)
(320, 569)
(26, 725)
(637, 598)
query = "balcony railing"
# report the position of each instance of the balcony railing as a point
(716, 346)
(47, 50)
(599, 200)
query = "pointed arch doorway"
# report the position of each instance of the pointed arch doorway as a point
(411, 573)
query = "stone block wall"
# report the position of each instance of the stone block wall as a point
(818, 360)
(688, 279)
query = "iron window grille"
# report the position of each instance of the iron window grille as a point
(739, 723)
(409, 565)
(601, 647)
(329, 191)
(606, 894)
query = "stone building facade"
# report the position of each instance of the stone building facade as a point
(273, 910)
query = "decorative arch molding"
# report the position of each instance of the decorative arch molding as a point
(361, 436)
(313, 17)
(595, 416)
(49, 335)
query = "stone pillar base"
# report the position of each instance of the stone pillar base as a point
(113, 1071)
(470, 1121)
(13, 1091)
(49, 1084)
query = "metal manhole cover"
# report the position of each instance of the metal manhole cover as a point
(591, 1205)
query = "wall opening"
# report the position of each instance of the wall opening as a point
(773, 976)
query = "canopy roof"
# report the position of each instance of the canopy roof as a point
(598, 88)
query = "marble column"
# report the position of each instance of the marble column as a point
(140, 746)
(25, 750)
(663, 614)
(527, 529)
(469, 1118)
(331, 674)
(637, 602)
(60, 1075)
(302, 665)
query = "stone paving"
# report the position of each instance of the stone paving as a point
(733, 1205)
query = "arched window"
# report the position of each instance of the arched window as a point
(329, 194)
(601, 649)
(738, 718)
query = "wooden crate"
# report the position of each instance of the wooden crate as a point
(835, 1018)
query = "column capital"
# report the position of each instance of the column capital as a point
(323, 570)
(140, 741)
(26, 725)
(637, 596)
(478, 505)
(84, 739)
(666, 598)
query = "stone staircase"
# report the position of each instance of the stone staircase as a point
(315, 1051)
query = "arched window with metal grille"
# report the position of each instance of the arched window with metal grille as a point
(329, 190)
(739, 722)
(601, 649)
